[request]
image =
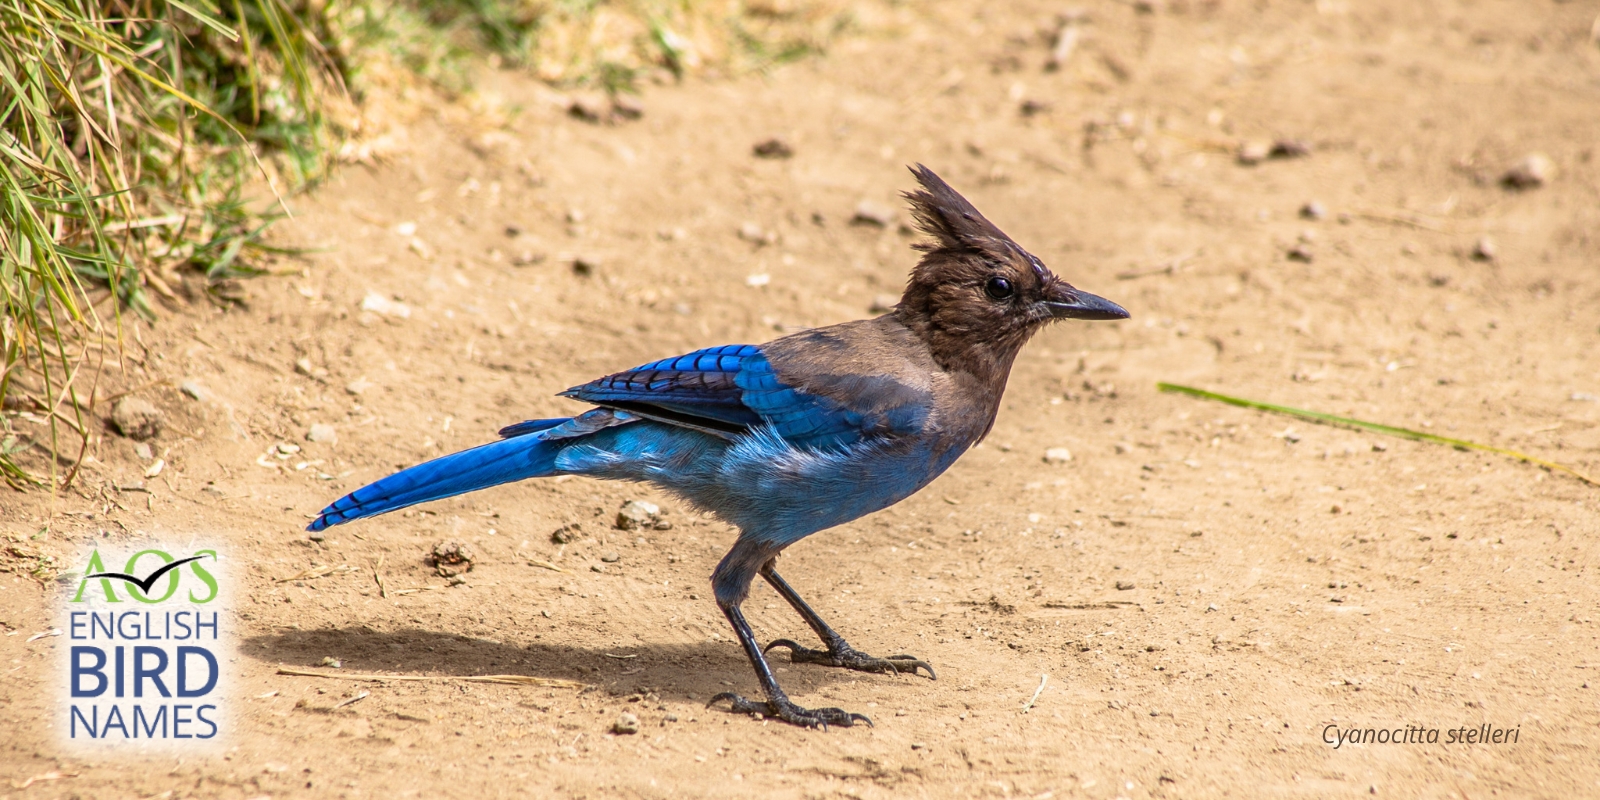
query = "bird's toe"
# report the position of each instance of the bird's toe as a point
(788, 712)
(910, 664)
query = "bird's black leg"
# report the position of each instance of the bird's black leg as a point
(732, 583)
(839, 652)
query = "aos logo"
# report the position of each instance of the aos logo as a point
(169, 568)
(145, 636)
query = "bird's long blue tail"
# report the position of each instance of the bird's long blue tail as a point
(469, 470)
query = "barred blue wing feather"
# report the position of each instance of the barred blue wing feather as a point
(696, 389)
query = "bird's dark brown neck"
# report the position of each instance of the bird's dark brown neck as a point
(987, 359)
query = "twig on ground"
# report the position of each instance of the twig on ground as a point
(1043, 679)
(1169, 268)
(359, 697)
(383, 591)
(510, 680)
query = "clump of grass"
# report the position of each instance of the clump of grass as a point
(127, 131)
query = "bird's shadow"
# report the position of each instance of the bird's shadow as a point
(685, 672)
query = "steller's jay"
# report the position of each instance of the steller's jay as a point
(800, 434)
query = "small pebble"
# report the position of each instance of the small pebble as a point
(589, 106)
(378, 304)
(1533, 171)
(611, 558)
(1057, 455)
(136, 418)
(194, 390)
(637, 515)
(1123, 586)
(626, 724)
(143, 451)
(870, 213)
(357, 387)
(776, 147)
(330, 661)
(1290, 148)
(1313, 210)
(626, 107)
(568, 533)
(585, 265)
(752, 232)
(1033, 108)
(1300, 253)
(597, 568)
(1484, 249)
(322, 433)
(1252, 152)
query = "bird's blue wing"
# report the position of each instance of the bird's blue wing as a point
(696, 389)
(728, 390)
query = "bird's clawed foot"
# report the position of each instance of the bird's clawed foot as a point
(843, 655)
(791, 713)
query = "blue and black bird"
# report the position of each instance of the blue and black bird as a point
(800, 434)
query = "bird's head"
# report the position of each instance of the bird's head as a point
(977, 296)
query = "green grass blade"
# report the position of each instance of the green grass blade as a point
(206, 19)
(1375, 427)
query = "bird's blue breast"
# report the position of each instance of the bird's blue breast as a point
(762, 483)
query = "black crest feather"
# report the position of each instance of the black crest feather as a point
(952, 221)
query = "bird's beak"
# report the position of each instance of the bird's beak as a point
(1069, 303)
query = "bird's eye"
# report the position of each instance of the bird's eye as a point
(998, 289)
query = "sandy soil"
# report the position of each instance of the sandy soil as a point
(1208, 588)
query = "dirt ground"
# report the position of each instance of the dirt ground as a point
(1207, 588)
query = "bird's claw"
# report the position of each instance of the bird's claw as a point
(791, 713)
(850, 658)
